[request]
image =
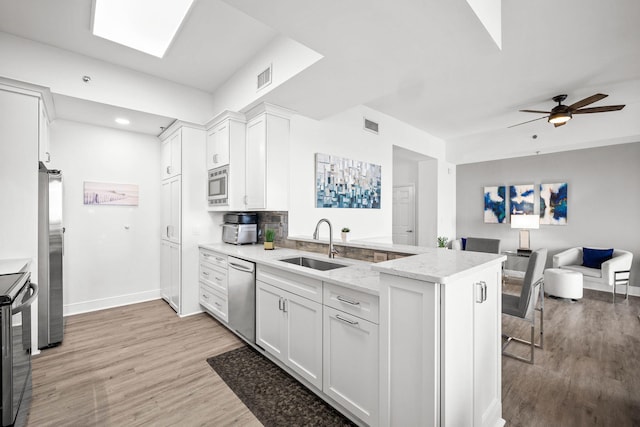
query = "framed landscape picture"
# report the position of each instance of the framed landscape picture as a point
(495, 204)
(103, 193)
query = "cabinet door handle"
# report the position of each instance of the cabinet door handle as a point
(215, 158)
(479, 293)
(284, 305)
(484, 291)
(48, 157)
(347, 300)
(351, 322)
(168, 170)
(168, 231)
(280, 304)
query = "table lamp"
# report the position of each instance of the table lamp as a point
(525, 223)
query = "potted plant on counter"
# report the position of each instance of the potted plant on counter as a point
(269, 235)
(442, 242)
(344, 234)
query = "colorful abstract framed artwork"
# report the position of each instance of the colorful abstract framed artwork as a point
(521, 199)
(347, 183)
(495, 204)
(553, 203)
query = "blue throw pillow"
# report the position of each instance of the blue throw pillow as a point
(593, 258)
(464, 243)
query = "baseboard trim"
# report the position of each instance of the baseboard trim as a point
(111, 302)
(633, 290)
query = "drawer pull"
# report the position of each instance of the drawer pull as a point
(204, 273)
(206, 255)
(347, 300)
(217, 304)
(205, 296)
(351, 322)
(218, 279)
(219, 259)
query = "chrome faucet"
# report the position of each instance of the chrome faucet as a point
(332, 250)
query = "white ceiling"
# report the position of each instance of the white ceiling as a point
(428, 63)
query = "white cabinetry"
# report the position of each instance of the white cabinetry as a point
(267, 164)
(289, 326)
(440, 360)
(214, 284)
(171, 208)
(185, 220)
(170, 277)
(226, 144)
(350, 351)
(172, 155)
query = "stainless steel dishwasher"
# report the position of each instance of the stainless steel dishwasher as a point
(242, 297)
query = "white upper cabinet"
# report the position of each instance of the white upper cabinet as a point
(218, 145)
(172, 155)
(226, 144)
(267, 173)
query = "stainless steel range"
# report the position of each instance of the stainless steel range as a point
(16, 295)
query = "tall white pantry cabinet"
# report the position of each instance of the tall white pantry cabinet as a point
(185, 220)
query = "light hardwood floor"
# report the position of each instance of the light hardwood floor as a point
(142, 365)
(589, 371)
(139, 365)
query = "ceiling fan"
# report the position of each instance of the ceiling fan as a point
(561, 114)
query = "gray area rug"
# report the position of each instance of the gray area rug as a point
(274, 397)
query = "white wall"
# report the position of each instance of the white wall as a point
(107, 264)
(603, 201)
(343, 135)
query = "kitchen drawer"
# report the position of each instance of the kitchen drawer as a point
(295, 283)
(213, 258)
(214, 277)
(214, 302)
(351, 301)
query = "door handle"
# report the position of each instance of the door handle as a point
(168, 170)
(409, 231)
(168, 231)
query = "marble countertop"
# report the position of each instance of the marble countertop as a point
(431, 265)
(365, 244)
(357, 275)
(9, 266)
(438, 265)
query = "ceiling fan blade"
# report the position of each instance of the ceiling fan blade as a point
(535, 111)
(529, 121)
(603, 109)
(590, 100)
(559, 124)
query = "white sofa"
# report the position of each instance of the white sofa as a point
(602, 279)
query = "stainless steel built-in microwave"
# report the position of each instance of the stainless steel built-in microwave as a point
(218, 193)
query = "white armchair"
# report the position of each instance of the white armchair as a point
(612, 272)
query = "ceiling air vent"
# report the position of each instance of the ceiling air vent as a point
(371, 126)
(264, 78)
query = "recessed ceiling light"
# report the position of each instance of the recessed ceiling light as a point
(122, 121)
(145, 25)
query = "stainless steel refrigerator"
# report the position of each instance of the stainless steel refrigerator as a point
(50, 253)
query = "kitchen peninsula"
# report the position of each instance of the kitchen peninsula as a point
(428, 324)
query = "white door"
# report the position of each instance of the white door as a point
(218, 146)
(174, 296)
(404, 213)
(304, 337)
(173, 193)
(350, 370)
(165, 270)
(270, 319)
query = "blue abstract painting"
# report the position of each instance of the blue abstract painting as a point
(347, 183)
(553, 203)
(495, 204)
(521, 199)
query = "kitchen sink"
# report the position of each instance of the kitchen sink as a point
(313, 263)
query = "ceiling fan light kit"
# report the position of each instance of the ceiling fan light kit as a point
(561, 114)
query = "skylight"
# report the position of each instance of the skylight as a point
(145, 25)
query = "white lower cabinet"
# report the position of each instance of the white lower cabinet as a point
(350, 363)
(214, 284)
(170, 277)
(289, 327)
